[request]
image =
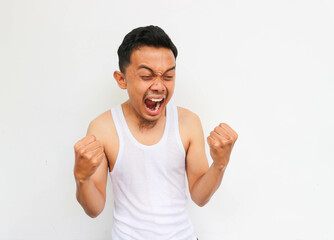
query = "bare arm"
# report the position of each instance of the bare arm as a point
(204, 188)
(91, 171)
(204, 180)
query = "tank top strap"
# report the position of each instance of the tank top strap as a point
(116, 116)
(115, 113)
(174, 127)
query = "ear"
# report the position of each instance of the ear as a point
(120, 79)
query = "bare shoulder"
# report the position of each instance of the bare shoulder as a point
(189, 126)
(101, 126)
(104, 129)
(103, 117)
(187, 118)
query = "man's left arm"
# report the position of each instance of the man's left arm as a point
(204, 180)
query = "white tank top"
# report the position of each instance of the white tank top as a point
(149, 184)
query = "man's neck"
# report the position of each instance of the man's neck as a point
(141, 123)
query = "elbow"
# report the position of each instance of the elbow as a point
(200, 203)
(93, 214)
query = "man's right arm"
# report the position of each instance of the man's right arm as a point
(91, 171)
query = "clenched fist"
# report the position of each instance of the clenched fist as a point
(221, 142)
(89, 153)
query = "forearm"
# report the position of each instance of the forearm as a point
(90, 198)
(207, 185)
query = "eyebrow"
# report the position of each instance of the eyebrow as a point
(151, 70)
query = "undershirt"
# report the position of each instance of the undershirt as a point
(149, 184)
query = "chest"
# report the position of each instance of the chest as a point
(111, 140)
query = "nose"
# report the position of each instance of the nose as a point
(158, 85)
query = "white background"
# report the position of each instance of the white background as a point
(263, 67)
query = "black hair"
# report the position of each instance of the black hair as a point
(152, 36)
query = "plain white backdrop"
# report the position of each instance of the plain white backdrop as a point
(263, 67)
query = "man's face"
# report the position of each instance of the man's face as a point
(150, 79)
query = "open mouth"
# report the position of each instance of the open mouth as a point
(154, 105)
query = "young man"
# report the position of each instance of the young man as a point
(148, 145)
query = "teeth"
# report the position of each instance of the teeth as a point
(156, 99)
(157, 107)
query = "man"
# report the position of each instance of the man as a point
(148, 146)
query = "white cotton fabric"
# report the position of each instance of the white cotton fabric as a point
(149, 184)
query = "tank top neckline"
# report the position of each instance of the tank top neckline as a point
(134, 140)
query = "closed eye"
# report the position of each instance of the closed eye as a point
(147, 77)
(169, 77)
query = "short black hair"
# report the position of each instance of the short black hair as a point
(152, 36)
